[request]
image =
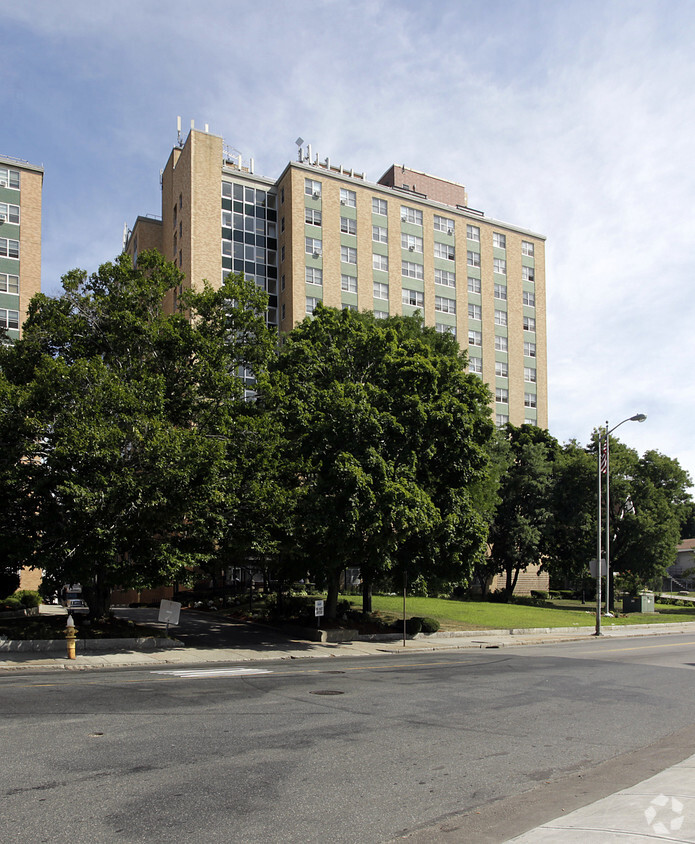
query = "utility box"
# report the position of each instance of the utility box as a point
(644, 602)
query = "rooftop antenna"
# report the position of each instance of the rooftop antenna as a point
(178, 130)
(299, 143)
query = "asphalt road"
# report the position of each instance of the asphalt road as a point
(351, 750)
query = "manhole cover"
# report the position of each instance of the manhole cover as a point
(326, 692)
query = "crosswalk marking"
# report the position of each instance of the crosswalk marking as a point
(190, 674)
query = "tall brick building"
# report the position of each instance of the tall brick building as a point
(21, 186)
(406, 243)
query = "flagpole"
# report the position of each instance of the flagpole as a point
(608, 520)
(599, 456)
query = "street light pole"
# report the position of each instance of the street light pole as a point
(638, 417)
(598, 541)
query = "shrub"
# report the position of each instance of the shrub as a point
(413, 625)
(430, 625)
(11, 603)
(541, 594)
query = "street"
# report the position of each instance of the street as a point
(349, 750)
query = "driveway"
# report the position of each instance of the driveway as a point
(210, 630)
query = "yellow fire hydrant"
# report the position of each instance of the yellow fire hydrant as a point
(70, 634)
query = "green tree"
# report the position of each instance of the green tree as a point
(519, 532)
(125, 426)
(386, 432)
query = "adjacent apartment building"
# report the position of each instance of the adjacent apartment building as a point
(21, 187)
(406, 243)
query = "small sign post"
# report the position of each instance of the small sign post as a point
(318, 612)
(169, 613)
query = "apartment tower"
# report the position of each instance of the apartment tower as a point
(405, 244)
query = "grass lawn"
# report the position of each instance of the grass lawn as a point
(483, 615)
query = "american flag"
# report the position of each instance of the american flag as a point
(604, 456)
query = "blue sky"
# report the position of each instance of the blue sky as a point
(573, 119)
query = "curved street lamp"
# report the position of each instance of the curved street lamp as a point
(604, 468)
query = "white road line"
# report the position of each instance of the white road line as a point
(213, 672)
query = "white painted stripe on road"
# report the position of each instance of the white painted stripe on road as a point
(213, 672)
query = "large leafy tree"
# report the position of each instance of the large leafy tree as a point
(124, 429)
(386, 434)
(519, 532)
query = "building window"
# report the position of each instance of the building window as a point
(445, 277)
(9, 248)
(348, 226)
(443, 224)
(501, 344)
(499, 240)
(530, 374)
(529, 399)
(501, 419)
(473, 284)
(475, 365)
(528, 274)
(442, 328)
(282, 282)
(348, 254)
(444, 250)
(381, 291)
(282, 195)
(379, 234)
(501, 369)
(9, 213)
(474, 311)
(9, 283)
(500, 291)
(347, 307)
(312, 216)
(529, 299)
(9, 319)
(500, 317)
(348, 197)
(379, 206)
(413, 297)
(311, 303)
(312, 188)
(529, 323)
(411, 215)
(313, 275)
(502, 395)
(282, 311)
(312, 245)
(527, 248)
(530, 350)
(348, 283)
(475, 338)
(444, 305)
(473, 233)
(282, 253)
(411, 270)
(411, 242)
(499, 265)
(380, 262)
(381, 314)
(473, 259)
(9, 178)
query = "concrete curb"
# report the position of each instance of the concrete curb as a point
(145, 643)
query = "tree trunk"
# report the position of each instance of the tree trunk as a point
(332, 597)
(366, 595)
(97, 594)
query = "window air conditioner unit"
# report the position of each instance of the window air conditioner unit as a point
(411, 249)
(315, 194)
(316, 254)
(404, 219)
(3, 184)
(2, 218)
(451, 231)
(342, 202)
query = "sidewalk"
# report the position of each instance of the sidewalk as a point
(661, 808)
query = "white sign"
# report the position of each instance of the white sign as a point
(169, 611)
(318, 608)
